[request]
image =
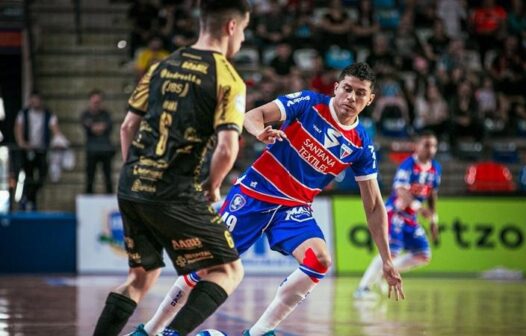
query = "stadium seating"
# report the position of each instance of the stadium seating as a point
(489, 177)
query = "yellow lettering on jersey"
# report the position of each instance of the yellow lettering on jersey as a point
(196, 66)
(170, 105)
(174, 87)
(165, 73)
(187, 244)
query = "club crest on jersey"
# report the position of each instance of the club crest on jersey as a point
(331, 138)
(299, 214)
(345, 151)
(237, 203)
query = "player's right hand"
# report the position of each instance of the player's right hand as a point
(213, 194)
(394, 280)
(270, 135)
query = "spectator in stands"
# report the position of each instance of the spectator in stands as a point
(303, 27)
(283, 63)
(334, 27)
(508, 69)
(365, 26)
(464, 115)
(35, 126)
(323, 79)
(488, 23)
(142, 15)
(177, 25)
(153, 54)
(437, 43)
(407, 44)
(517, 19)
(98, 125)
(431, 112)
(453, 13)
(391, 112)
(454, 57)
(518, 118)
(382, 59)
(273, 27)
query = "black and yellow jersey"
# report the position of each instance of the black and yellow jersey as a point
(184, 100)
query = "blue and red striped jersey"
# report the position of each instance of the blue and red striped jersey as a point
(421, 180)
(318, 148)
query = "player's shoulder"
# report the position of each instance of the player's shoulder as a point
(408, 163)
(311, 97)
(437, 166)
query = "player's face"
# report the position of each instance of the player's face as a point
(426, 148)
(351, 96)
(237, 28)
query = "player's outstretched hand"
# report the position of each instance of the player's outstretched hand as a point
(394, 280)
(270, 135)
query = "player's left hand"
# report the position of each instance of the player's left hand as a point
(394, 280)
(211, 193)
(270, 135)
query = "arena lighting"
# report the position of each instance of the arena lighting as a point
(2, 110)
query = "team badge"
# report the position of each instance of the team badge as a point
(345, 151)
(237, 203)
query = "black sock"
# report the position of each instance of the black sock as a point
(203, 300)
(115, 314)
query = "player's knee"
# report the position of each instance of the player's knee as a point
(423, 258)
(316, 264)
(324, 259)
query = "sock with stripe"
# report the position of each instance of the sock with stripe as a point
(290, 293)
(172, 303)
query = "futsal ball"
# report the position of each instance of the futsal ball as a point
(210, 332)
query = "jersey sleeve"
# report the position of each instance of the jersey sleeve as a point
(403, 176)
(365, 168)
(294, 104)
(438, 179)
(231, 94)
(138, 102)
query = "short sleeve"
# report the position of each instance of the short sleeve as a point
(294, 104)
(138, 102)
(438, 178)
(365, 168)
(231, 95)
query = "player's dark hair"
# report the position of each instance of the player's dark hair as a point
(424, 134)
(95, 92)
(215, 13)
(359, 70)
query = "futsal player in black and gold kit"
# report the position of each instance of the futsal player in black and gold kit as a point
(183, 108)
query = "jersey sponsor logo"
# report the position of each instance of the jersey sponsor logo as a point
(299, 214)
(316, 155)
(331, 138)
(297, 100)
(239, 103)
(345, 151)
(293, 95)
(237, 203)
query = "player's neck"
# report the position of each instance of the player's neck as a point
(422, 162)
(208, 42)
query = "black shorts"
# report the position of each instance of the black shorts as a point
(193, 235)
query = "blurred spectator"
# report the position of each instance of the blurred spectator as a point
(486, 97)
(488, 22)
(97, 124)
(323, 79)
(517, 19)
(422, 13)
(437, 43)
(142, 15)
(465, 116)
(283, 63)
(366, 25)
(303, 27)
(151, 55)
(35, 126)
(431, 112)
(382, 59)
(177, 25)
(335, 27)
(266, 90)
(508, 69)
(391, 112)
(453, 13)
(518, 118)
(454, 57)
(273, 27)
(407, 44)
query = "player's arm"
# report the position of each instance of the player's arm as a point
(223, 159)
(433, 220)
(377, 221)
(129, 128)
(19, 133)
(256, 119)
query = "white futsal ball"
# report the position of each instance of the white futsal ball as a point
(210, 332)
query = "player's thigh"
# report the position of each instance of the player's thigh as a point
(246, 217)
(193, 235)
(143, 248)
(292, 227)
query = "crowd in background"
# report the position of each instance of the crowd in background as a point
(457, 68)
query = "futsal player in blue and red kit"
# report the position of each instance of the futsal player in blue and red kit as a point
(415, 183)
(320, 137)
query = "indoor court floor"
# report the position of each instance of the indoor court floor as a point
(54, 305)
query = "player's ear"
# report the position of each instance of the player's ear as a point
(336, 84)
(231, 26)
(371, 99)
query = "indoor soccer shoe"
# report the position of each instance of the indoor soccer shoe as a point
(268, 333)
(365, 294)
(139, 331)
